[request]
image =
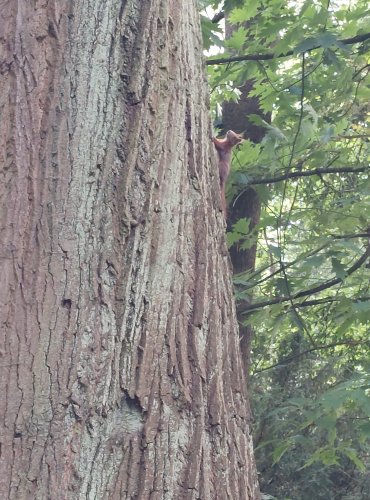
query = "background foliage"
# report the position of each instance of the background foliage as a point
(310, 297)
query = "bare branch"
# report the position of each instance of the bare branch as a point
(328, 300)
(286, 266)
(311, 291)
(351, 343)
(217, 17)
(269, 56)
(308, 173)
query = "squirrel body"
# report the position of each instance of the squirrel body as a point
(223, 148)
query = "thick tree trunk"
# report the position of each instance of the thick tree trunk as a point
(121, 374)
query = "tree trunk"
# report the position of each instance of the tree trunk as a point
(235, 116)
(121, 373)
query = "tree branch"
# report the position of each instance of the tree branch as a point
(328, 300)
(311, 291)
(269, 56)
(308, 173)
(286, 266)
(217, 17)
(308, 351)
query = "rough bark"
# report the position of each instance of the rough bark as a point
(121, 374)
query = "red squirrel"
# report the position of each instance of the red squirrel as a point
(223, 148)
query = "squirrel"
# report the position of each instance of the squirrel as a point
(223, 148)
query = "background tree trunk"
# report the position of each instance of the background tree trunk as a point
(121, 374)
(235, 116)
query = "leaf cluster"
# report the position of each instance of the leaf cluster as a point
(309, 296)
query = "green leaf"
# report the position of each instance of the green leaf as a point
(276, 251)
(327, 39)
(232, 238)
(237, 39)
(310, 223)
(365, 430)
(240, 178)
(327, 422)
(327, 133)
(322, 40)
(209, 33)
(326, 455)
(249, 152)
(333, 400)
(361, 306)
(314, 262)
(242, 226)
(282, 286)
(352, 455)
(279, 451)
(338, 268)
(307, 44)
(243, 14)
(329, 457)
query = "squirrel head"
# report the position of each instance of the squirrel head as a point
(233, 138)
